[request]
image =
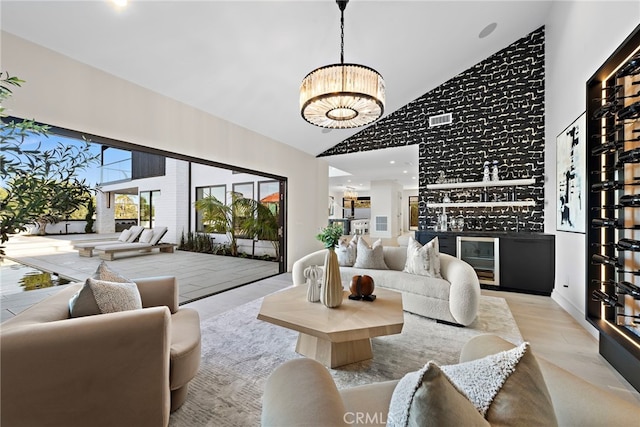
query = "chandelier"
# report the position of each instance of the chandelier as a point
(350, 193)
(342, 96)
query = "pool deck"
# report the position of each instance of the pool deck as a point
(199, 275)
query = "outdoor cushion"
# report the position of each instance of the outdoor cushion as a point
(124, 235)
(158, 233)
(146, 236)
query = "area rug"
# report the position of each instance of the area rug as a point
(239, 352)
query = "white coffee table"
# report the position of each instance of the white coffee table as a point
(334, 336)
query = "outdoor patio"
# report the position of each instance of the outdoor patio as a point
(199, 275)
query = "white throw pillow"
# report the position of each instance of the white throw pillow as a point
(346, 251)
(370, 256)
(106, 292)
(423, 260)
(510, 380)
(112, 297)
(146, 236)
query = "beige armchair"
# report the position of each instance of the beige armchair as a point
(301, 392)
(126, 368)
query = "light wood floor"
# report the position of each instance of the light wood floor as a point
(552, 332)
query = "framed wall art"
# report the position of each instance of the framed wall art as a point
(571, 169)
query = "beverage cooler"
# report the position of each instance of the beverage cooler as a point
(482, 253)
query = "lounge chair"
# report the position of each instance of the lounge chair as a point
(129, 235)
(149, 240)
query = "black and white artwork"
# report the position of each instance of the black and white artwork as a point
(571, 164)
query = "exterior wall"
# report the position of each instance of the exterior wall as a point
(105, 212)
(580, 37)
(63, 92)
(498, 114)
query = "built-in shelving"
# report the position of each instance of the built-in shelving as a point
(522, 203)
(611, 132)
(483, 184)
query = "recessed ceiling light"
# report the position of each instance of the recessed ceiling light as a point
(119, 4)
(487, 30)
(392, 161)
(404, 171)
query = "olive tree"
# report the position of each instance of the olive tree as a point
(41, 185)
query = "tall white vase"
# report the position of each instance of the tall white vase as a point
(331, 292)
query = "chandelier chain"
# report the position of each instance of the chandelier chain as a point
(342, 36)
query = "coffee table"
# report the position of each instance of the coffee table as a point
(334, 336)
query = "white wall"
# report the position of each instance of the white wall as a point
(386, 201)
(62, 92)
(580, 36)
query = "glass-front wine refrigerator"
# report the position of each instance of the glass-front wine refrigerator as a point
(613, 229)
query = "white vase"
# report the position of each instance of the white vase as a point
(313, 274)
(331, 293)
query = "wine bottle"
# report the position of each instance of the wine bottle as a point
(611, 301)
(622, 245)
(629, 289)
(605, 260)
(635, 273)
(629, 112)
(626, 201)
(630, 68)
(610, 131)
(629, 156)
(607, 147)
(606, 110)
(611, 185)
(624, 287)
(612, 223)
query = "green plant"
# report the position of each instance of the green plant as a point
(330, 236)
(242, 217)
(91, 209)
(41, 185)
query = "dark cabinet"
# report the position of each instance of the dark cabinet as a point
(527, 265)
(526, 261)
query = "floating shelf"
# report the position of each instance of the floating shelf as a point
(482, 184)
(482, 204)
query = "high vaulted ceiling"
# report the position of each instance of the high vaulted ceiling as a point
(243, 61)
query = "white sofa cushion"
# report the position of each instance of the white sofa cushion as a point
(370, 256)
(346, 251)
(423, 260)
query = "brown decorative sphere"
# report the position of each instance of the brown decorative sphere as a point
(362, 285)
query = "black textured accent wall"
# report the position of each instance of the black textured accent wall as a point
(498, 114)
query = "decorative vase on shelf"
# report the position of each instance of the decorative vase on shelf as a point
(331, 292)
(486, 175)
(313, 274)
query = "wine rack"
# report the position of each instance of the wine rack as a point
(613, 229)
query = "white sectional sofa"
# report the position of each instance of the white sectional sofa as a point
(454, 298)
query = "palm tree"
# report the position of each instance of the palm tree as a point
(243, 217)
(258, 221)
(218, 218)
